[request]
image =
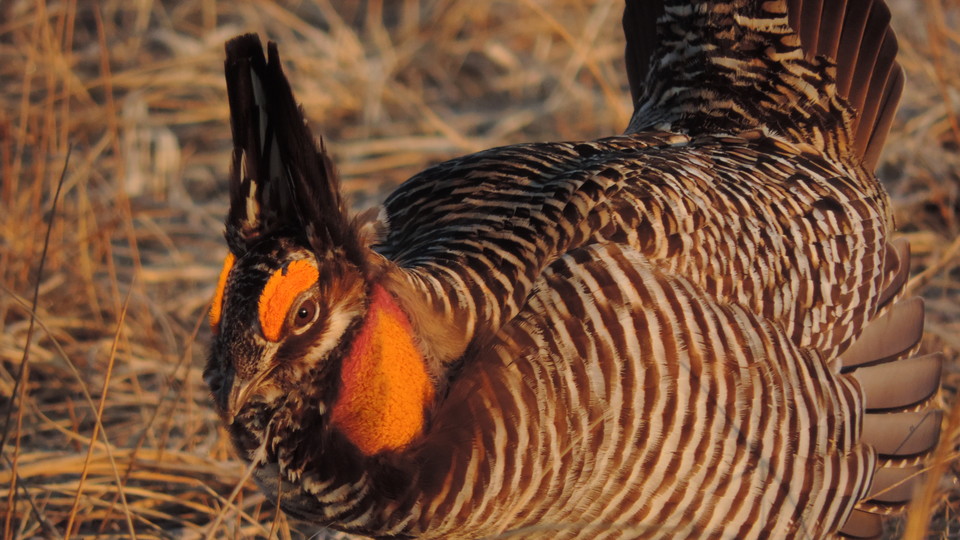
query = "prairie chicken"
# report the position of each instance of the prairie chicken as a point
(692, 329)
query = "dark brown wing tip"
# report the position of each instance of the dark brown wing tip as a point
(896, 270)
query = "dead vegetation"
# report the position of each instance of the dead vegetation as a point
(110, 431)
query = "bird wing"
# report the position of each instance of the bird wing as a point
(772, 226)
(626, 398)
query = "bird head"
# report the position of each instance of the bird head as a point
(302, 317)
(279, 313)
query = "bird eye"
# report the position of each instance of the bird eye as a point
(306, 314)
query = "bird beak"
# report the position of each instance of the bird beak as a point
(239, 395)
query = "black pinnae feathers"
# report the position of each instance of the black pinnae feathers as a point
(244, 218)
(283, 182)
(309, 170)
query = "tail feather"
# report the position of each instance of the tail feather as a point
(901, 423)
(804, 18)
(818, 24)
(856, 35)
(862, 525)
(894, 486)
(701, 81)
(890, 334)
(883, 384)
(866, 27)
(886, 107)
(871, 79)
(896, 435)
(896, 270)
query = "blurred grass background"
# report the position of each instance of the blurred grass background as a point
(111, 432)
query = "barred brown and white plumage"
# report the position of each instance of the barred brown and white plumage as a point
(692, 329)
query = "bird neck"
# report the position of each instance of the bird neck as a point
(384, 384)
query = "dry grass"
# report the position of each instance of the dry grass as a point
(111, 432)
